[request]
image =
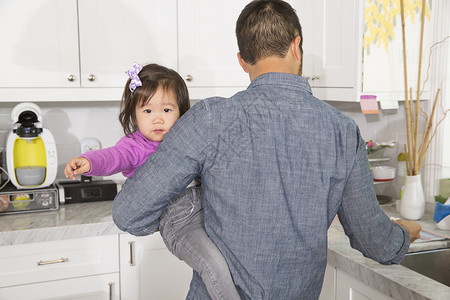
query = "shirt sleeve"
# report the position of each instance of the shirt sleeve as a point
(178, 159)
(369, 229)
(122, 157)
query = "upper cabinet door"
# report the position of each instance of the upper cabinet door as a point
(332, 45)
(207, 43)
(335, 51)
(114, 34)
(39, 43)
(330, 30)
(310, 32)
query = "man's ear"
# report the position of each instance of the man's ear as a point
(295, 48)
(242, 62)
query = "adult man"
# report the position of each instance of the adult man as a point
(276, 164)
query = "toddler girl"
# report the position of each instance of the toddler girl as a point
(153, 99)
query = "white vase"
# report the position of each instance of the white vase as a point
(412, 204)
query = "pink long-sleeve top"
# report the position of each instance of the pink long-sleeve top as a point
(129, 152)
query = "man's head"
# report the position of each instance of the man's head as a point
(266, 28)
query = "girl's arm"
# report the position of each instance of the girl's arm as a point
(125, 157)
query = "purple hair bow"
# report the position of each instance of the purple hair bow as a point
(133, 74)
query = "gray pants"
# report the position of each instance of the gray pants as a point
(183, 231)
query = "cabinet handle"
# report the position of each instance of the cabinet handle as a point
(110, 290)
(188, 78)
(315, 77)
(49, 262)
(91, 77)
(71, 77)
(131, 261)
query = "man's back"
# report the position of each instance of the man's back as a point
(274, 177)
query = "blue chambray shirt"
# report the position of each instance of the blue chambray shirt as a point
(276, 164)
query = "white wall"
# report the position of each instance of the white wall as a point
(386, 126)
(71, 122)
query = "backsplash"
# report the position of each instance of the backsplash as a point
(71, 122)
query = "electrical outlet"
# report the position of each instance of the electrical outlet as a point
(89, 144)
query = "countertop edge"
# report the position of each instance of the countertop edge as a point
(395, 281)
(57, 233)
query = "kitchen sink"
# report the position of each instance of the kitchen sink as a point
(434, 264)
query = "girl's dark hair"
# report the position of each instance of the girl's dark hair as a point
(266, 28)
(152, 76)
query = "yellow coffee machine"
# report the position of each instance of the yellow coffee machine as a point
(30, 149)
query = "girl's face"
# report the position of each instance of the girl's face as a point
(155, 118)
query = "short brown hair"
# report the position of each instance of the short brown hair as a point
(266, 28)
(152, 76)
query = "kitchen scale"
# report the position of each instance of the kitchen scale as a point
(13, 200)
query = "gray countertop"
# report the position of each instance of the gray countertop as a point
(69, 222)
(396, 281)
(94, 219)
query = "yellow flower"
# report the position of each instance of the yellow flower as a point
(381, 17)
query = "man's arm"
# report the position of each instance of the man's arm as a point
(370, 230)
(178, 159)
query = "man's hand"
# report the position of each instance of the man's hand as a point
(413, 228)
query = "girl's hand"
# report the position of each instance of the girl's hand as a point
(77, 166)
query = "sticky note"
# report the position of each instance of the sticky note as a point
(369, 104)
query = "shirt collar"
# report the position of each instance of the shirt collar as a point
(282, 79)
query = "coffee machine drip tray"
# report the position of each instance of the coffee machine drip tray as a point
(13, 200)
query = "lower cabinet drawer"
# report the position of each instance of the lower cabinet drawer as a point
(85, 288)
(39, 262)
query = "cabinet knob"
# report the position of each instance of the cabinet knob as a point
(315, 77)
(188, 78)
(91, 77)
(71, 77)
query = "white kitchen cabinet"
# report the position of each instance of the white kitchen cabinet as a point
(332, 32)
(85, 288)
(351, 288)
(69, 50)
(208, 47)
(56, 50)
(149, 271)
(114, 34)
(39, 43)
(332, 45)
(76, 268)
(329, 284)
